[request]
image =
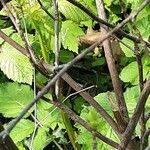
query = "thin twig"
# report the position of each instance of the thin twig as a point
(126, 45)
(145, 139)
(82, 90)
(35, 113)
(147, 116)
(57, 49)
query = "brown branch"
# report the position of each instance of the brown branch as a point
(147, 116)
(13, 43)
(145, 139)
(94, 17)
(135, 117)
(112, 69)
(79, 120)
(92, 102)
(6, 144)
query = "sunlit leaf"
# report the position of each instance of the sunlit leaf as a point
(71, 12)
(70, 33)
(16, 66)
(22, 130)
(13, 98)
(42, 139)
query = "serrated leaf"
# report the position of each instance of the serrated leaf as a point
(70, 33)
(71, 12)
(16, 66)
(22, 130)
(130, 73)
(13, 98)
(42, 139)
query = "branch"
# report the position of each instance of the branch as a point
(94, 17)
(79, 120)
(135, 117)
(145, 139)
(112, 69)
(92, 102)
(147, 116)
(7, 144)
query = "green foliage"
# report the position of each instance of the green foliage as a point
(16, 66)
(103, 100)
(70, 32)
(132, 71)
(132, 96)
(48, 115)
(65, 56)
(72, 12)
(126, 50)
(25, 127)
(13, 98)
(42, 139)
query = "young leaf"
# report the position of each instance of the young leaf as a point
(69, 34)
(24, 128)
(16, 66)
(13, 98)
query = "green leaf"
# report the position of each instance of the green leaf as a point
(20, 146)
(143, 26)
(49, 117)
(98, 62)
(90, 4)
(69, 34)
(16, 66)
(102, 99)
(71, 12)
(42, 139)
(130, 73)
(66, 56)
(13, 98)
(22, 130)
(131, 96)
(108, 2)
(127, 51)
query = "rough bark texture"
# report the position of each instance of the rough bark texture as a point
(7, 143)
